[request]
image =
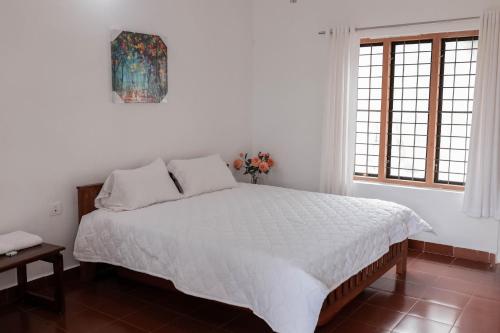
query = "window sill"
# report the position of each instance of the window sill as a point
(408, 183)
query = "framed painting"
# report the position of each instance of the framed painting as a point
(139, 68)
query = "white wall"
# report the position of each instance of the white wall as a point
(290, 73)
(58, 127)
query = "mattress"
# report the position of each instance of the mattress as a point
(276, 251)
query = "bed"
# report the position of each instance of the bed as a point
(294, 258)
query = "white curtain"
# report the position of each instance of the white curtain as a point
(482, 190)
(334, 157)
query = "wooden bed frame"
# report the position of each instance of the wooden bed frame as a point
(336, 300)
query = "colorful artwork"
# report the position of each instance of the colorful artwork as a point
(139, 65)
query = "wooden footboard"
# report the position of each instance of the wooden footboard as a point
(337, 299)
(351, 288)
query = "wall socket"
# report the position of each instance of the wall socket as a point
(55, 208)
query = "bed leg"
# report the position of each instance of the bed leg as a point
(401, 265)
(87, 271)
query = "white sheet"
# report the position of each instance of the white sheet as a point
(276, 251)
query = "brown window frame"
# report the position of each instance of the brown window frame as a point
(430, 178)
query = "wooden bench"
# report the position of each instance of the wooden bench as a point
(44, 252)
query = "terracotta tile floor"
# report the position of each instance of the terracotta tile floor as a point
(439, 295)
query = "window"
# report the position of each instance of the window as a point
(368, 114)
(414, 110)
(458, 73)
(409, 109)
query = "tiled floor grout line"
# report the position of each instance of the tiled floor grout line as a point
(230, 321)
(87, 307)
(351, 314)
(130, 324)
(365, 302)
(117, 320)
(159, 328)
(419, 299)
(406, 313)
(462, 311)
(435, 321)
(179, 315)
(29, 311)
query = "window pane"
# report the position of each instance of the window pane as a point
(409, 111)
(369, 108)
(455, 109)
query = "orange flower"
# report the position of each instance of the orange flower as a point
(264, 167)
(255, 161)
(270, 162)
(237, 164)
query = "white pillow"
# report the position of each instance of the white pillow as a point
(137, 188)
(202, 175)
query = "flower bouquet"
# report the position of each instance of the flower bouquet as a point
(254, 166)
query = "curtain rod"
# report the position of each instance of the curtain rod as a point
(405, 24)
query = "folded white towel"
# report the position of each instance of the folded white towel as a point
(18, 240)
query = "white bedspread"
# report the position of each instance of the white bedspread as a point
(276, 251)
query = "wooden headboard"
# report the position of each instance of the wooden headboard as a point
(86, 198)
